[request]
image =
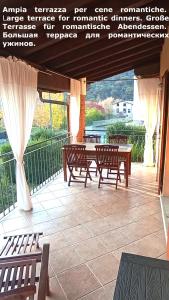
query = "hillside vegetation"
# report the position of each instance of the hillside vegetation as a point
(115, 87)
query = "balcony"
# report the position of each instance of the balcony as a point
(88, 229)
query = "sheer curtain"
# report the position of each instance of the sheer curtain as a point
(138, 112)
(74, 114)
(148, 90)
(18, 94)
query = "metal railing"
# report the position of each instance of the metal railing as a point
(43, 162)
(135, 137)
(7, 186)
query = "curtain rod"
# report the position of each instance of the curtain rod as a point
(46, 70)
(50, 72)
(65, 76)
(38, 67)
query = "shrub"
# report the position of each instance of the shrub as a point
(5, 148)
(134, 132)
(136, 136)
(42, 134)
(7, 192)
(122, 128)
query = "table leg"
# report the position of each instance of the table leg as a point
(64, 166)
(126, 171)
(129, 164)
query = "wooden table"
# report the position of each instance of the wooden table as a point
(124, 152)
(142, 278)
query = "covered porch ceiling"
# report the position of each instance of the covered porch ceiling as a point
(95, 59)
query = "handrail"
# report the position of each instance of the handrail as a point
(104, 130)
(39, 143)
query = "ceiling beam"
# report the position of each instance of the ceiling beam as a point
(99, 46)
(87, 57)
(60, 48)
(118, 60)
(17, 3)
(69, 5)
(46, 43)
(92, 64)
(123, 68)
(116, 64)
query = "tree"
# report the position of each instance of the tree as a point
(93, 104)
(107, 104)
(93, 114)
(47, 114)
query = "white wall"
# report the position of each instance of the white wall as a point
(123, 107)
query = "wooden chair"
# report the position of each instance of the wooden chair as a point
(76, 158)
(92, 138)
(18, 276)
(107, 158)
(118, 139)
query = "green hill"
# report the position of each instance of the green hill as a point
(115, 87)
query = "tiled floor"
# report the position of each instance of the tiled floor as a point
(89, 228)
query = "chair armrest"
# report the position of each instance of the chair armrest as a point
(19, 293)
(35, 255)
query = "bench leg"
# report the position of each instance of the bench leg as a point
(47, 287)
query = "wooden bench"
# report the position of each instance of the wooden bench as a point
(24, 247)
(20, 244)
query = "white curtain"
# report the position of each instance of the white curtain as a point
(74, 114)
(18, 94)
(138, 113)
(148, 97)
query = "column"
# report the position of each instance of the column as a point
(82, 110)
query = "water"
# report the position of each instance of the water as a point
(99, 131)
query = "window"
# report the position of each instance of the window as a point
(129, 110)
(117, 110)
(124, 104)
(117, 104)
(124, 110)
(51, 112)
